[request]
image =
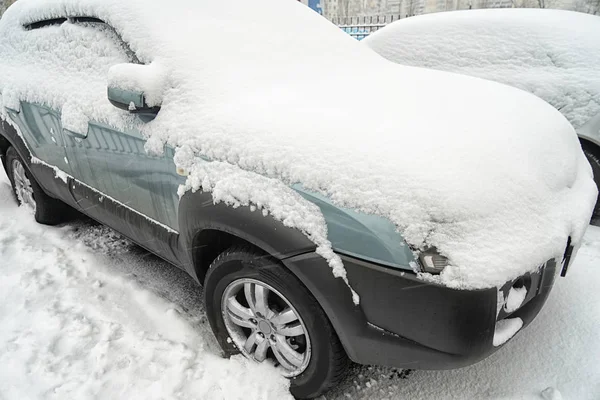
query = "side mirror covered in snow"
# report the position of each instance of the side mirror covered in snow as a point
(136, 88)
(129, 100)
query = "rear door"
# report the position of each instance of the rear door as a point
(41, 130)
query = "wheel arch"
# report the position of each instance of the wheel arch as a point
(591, 145)
(9, 137)
(207, 245)
(207, 229)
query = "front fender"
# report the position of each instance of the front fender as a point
(198, 212)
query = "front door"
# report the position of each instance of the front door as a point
(117, 165)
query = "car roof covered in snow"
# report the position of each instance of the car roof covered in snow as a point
(275, 95)
(554, 54)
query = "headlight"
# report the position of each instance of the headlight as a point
(432, 261)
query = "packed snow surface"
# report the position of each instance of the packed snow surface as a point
(554, 54)
(73, 327)
(87, 314)
(490, 175)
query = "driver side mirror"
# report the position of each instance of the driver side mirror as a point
(136, 88)
(130, 100)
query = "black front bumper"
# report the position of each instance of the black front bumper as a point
(403, 321)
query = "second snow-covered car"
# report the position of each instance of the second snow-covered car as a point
(553, 54)
(333, 204)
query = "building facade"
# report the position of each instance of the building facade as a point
(403, 8)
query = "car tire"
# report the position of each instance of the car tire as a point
(48, 211)
(242, 265)
(593, 157)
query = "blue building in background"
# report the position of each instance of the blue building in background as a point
(314, 4)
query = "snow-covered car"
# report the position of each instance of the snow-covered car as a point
(323, 228)
(553, 54)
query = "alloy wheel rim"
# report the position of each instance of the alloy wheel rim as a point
(263, 325)
(23, 186)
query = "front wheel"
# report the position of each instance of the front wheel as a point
(256, 307)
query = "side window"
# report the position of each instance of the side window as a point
(68, 60)
(109, 33)
(80, 45)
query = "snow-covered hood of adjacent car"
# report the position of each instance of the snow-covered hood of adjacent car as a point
(490, 175)
(551, 53)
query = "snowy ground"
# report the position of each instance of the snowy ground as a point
(86, 314)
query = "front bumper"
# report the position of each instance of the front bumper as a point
(405, 322)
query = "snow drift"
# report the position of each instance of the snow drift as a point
(77, 326)
(490, 175)
(552, 53)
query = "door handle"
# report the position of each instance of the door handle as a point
(76, 135)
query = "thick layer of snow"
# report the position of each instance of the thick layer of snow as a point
(490, 175)
(553, 54)
(85, 313)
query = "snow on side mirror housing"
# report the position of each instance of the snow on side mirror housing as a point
(432, 261)
(136, 88)
(132, 101)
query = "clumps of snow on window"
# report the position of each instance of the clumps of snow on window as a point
(551, 53)
(75, 117)
(62, 66)
(505, 329)
(515, 298)
(236, 187)
(491, 176)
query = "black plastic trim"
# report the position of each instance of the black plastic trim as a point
(44, 23)
(197, 213)
(403, 321)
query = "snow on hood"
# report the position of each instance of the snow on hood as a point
(554, 54)
(274, 95)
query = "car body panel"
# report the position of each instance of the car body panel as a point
(368, 237)
(116, 164)
(406, 322)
